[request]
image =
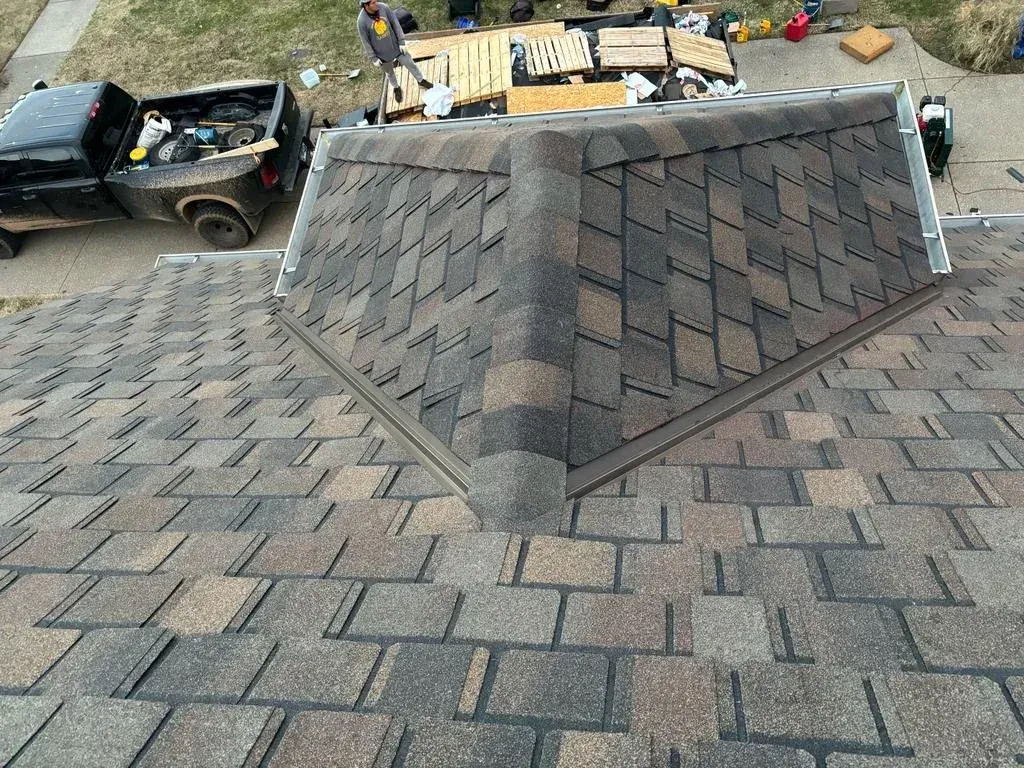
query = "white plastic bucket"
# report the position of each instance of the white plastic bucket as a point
(154, 131)
(309, 78)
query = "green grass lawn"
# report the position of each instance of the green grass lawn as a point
(18, 16)
(153, 46)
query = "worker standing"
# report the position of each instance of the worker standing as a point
(384, 42)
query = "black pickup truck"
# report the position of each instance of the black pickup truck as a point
(64, 159)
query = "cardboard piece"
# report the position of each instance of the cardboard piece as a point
(866, 44)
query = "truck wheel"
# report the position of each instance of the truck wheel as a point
(221, 225)
(9, 244)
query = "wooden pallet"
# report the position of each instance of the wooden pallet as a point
(425, 49)
(632, 48)
(558, 55)
(548, 98)
(481, 69)
(435, 70)
(698, 52)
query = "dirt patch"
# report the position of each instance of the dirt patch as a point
(18, 16)
(11, 304)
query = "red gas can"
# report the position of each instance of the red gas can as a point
(797, 27)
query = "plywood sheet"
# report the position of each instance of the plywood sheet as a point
(703, 53)
(424, 49)
(548, 98)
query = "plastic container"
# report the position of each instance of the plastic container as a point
(154, 131)
(798, 27)
(140, 158)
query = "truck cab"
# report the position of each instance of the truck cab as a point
(53, 155)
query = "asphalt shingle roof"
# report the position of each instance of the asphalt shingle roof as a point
(559, 291)
(210, 556)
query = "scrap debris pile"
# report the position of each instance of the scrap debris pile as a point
(667, 54)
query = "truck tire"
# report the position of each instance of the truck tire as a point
(9, 244)
(221, 225)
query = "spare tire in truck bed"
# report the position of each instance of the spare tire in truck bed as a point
(221, 225)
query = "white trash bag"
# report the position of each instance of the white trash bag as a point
(438, 101)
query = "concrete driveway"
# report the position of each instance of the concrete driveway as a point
(988, 135)
(75, 259)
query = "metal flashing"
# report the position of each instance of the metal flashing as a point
(188, 259)
(982, 220)
(642, 449)
(437, 458)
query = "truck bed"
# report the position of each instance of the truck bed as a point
(255, 102)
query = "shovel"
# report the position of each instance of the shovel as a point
(311, 78)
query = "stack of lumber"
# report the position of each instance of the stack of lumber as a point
(547, 98)
(558, 55)
(428, 48)
(703, 53)
(478, 70)
(632, 48)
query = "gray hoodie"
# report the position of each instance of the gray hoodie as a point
(380, 43)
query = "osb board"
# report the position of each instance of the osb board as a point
(558, 55)
(634, 58)
(866, 44)
(703, 53)
(548, 98)
(631, 36)
(424, 49)
(435, 70)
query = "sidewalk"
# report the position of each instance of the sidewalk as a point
(45, 46)
(988, 137)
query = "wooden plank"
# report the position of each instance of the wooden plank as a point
(585, 44)
(549, 43)
(505, 41)
(631, 36)
(569, 53)
(496, 59)
(634, 58)
(577, 42)
(424, 49)
(548, 98)
(699, 52)
(250, 149)
(474, 69)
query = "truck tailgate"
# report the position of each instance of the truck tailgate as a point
(291, 154)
